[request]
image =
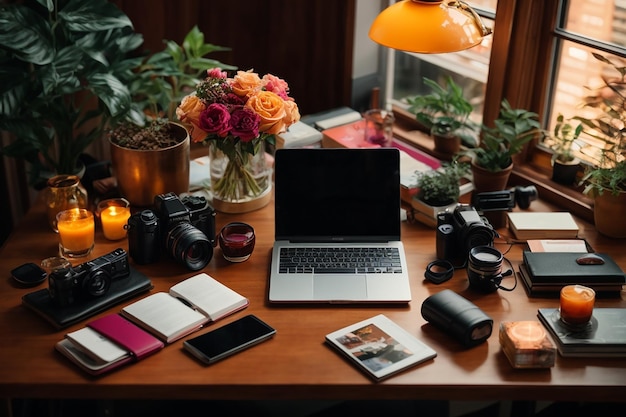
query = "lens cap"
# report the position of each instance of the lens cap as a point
(29, 274)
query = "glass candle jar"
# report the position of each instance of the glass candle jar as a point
(114, 214)
(63, 192)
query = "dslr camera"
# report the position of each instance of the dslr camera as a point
(459, 231)
(182, 228)
(91, 279)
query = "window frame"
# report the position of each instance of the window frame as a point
(522, 69)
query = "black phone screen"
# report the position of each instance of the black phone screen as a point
(229, 339)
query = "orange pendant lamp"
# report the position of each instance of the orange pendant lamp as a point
(428, 26)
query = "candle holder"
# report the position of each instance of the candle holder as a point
(114, 214)
(237, 241)
(576, 305)
(76, 232)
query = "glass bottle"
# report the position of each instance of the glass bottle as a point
(63, 192)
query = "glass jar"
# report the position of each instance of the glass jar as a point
(63, 192)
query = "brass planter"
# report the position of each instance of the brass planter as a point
(143, 174)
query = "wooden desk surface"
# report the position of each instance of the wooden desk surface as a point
(296, 364)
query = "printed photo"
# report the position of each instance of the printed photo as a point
(373, 347)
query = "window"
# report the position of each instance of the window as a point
(539, 58)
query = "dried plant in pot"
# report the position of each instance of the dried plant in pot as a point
(150, 151)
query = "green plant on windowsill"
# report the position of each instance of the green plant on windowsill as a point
(444, 111)
(441, 187)
(512, 130)
(562, 139)
(63, 67)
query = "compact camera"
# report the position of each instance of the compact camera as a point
(459, 231)
(505, 200)
(182, 228)
(91, 279)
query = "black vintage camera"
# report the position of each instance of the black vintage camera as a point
(459, 231)
(183, 228)
(505, 199)
(91, 279)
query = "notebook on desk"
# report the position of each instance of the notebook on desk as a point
(332, 205)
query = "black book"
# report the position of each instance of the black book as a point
(535, 288)
(603, 336)
(562, 268)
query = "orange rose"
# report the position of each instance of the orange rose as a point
(189, 112)
(246, 83)
(271, 109)
(292, 113)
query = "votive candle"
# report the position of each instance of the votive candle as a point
(114, 220)
(76, 232)
(577, 304)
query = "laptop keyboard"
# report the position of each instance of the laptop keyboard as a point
(329, 260)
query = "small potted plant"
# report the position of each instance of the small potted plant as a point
(565, 164)
(438, 190)
(492, 160)
(445, 114)
(605, 181)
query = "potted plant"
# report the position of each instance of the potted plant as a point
(565, 164)
(150, 150)
(438, 190)
(492, 160)
(605, 181)
(445, 114)
(63, 66)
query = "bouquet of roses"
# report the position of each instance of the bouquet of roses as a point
(238, 115)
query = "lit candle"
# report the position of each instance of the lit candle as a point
(527, 333)
(577, 304)
(76, 232)
(113, 221)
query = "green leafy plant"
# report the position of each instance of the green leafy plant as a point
(441, 187)
(158, 85)
(563, 137)
(63, 67)
(609, 173)
(444, 111)
(512, 130)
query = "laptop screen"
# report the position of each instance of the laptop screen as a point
(342, 195)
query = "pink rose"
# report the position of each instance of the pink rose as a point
(244, 124)
(276, 85)
(215, 120)
(216, 73)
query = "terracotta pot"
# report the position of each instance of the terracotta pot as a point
(448, 145)
(143, 174)
(608, 214)
(485, 180)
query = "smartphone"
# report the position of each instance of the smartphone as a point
(229, 339)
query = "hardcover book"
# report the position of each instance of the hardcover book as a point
(563, 268)
(188, 306)
(107, 343)
(537, 225)
(603, 336)
(379, 347)
(550, 289)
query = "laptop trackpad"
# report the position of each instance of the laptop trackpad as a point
(340, 287)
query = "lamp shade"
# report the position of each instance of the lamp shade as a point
(424, 26)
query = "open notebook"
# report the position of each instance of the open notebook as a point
(332, 205)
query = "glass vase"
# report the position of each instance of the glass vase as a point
(240, 181)
(63, 192)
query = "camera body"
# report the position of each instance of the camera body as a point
(91, 279)
(459, 231)
(183, 228)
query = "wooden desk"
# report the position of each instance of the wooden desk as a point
(296, 364)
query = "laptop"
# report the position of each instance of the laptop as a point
(332, 205)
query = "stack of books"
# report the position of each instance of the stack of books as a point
(545, 273)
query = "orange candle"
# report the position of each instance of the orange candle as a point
(113, 221)
(577, 304)
(76, 232)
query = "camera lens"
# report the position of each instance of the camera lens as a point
(188, 245)
(97, 283)
(484, 268)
